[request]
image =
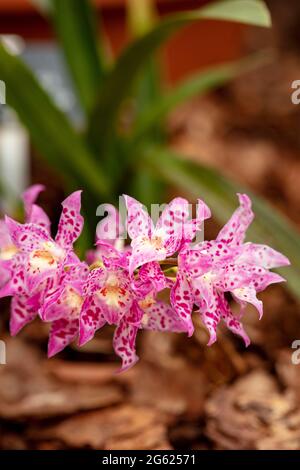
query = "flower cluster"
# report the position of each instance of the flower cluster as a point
(126, 285)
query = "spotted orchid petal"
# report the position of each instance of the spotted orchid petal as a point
(5, 238)
(213, 253)
(234, 276)
(203, 211)
(191, 227)
(139, 223)
(234, 232)
(62, 333)
(146, 250)
(232, 323)
(161, 317)
(21, 313)
(4, 277)
(17, 279)
(152, 277)
(39, 217)
(182, 301)
(262, 255)
(245, 295)
(29, 197)
(7, 252)
(91, 320)
(33, 213)
(67, 299)
(206, 298)
(71, 222)
(27, 237)
(173, 226)
(124, 344)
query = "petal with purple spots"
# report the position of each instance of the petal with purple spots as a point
(161, 317)
(71, 222)
(182, 301)
(62, 333)
(91, 320)
(234, 231)
(232, 323)
(262, 255)
(21, 314)
(124, 344)
(139, 223)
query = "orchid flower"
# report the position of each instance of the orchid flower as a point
(62, 307)
(33, 214)
(112, 298)
(123, 285)
(40, 261)
(225, 265)
(156, 243)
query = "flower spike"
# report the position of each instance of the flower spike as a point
(126, 286)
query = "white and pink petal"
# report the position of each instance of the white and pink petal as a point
(139, 223)
(71, 222)
(234, 231)
(124, 344)
(21, 313)
(161, 317)
(62, 332)
(182, 300)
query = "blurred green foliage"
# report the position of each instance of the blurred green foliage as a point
(123, 146)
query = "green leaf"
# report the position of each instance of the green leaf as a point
(198, 84)
(243, 11)
(141, 18)
(119, 81)
(147, 188)
(76, 27)
(269, 226)
(49, 128)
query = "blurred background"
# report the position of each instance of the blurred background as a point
(152, 99)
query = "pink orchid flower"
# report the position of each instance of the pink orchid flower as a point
(40, 261)
(111, 297)
(226, 264)
(173, 229)
(33, 214)
(123, 286)
(62, 307)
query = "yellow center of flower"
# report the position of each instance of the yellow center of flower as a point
(147, 302)
(112, 293)
(155, 242)
(40, 260)
(8, 252)
(45, 258)
(74, 300)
